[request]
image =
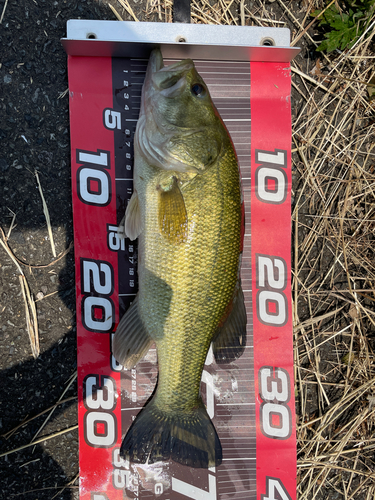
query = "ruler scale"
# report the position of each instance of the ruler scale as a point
(251, 400)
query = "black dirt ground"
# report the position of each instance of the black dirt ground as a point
(34, 135)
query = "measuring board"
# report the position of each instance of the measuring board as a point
(250, 401)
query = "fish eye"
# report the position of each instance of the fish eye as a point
(198, 89)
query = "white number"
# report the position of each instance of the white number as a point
(121, 473)
(112, 119)
(89, 304)
(271, 279)
(93, 183)
(277, 318)
(193, 492)
(100, 158)
(267, 269)
(95, 438)
(95, 269)
(274, 486)
(103, 397)
(280, 430)
(276, 195)
(101, 196)
(100, 427)
(97, 278)
(275, 415)
(268, 172)
(276, 158)
(118, 461)
(158, 488)
(115, 242)
(121, 478)
(280, 381)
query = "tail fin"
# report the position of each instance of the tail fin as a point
(187, 438)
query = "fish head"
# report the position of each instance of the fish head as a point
(182, 126)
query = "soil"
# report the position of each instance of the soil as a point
(34, 135)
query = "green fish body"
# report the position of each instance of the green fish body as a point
(186, 213)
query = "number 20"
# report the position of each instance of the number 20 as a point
(271, 280)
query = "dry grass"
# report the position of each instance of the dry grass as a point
(28, 297)
(334, 276)
(334, 247)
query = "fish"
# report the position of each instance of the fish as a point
(187, 212)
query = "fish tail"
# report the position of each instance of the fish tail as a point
(187, 438)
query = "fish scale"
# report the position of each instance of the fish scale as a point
(187, 217)
(175, 355)
(190, 270)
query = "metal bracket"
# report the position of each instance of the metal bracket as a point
(178, 40)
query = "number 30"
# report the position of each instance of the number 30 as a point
(275, 414)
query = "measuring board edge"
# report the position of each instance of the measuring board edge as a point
(131, 39)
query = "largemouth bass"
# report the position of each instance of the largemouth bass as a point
(186, 213)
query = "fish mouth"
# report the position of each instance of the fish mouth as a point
(155, 62)
(169, 81)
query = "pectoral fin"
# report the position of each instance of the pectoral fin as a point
(230, 340)
(131, 340)
(133, 219)
(172, 216)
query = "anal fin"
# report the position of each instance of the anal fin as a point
(230, 339)
(131, 340)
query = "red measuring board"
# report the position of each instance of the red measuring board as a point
(251, 401)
